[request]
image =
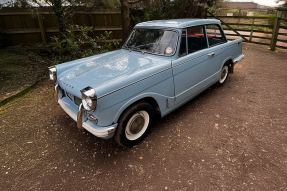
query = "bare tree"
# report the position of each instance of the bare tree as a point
(125, 19)
(125, 4)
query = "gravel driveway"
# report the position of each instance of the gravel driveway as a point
(228, 138)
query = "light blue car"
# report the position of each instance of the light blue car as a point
(161, 66)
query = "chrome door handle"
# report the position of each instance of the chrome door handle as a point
(211, 54)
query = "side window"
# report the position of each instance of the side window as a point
(182, 50)
(215, 35)
(196, 39)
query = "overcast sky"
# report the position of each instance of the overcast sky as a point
(261, 2)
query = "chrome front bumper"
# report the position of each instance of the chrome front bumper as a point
(103, 132)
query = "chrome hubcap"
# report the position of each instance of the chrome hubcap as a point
(137, 125)
(224, 73)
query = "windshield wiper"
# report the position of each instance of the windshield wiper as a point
(130, 47)
(135, 48)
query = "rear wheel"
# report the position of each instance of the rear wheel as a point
(134, 124)
(224, 75)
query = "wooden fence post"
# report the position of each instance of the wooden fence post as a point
(251, 33)
(92, 23)
(275, 34)
(42, 28)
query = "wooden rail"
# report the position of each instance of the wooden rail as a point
(275, 24)
(22, 26)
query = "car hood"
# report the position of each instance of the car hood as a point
(110, 71)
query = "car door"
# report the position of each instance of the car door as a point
(218, 49)
(192, 69)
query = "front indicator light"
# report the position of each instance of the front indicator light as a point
(92, 118)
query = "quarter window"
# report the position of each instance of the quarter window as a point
(215, 35)
(182, 49)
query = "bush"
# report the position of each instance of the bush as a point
(75, 45)
(3, 39)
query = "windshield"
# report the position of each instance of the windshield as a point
(154, 41)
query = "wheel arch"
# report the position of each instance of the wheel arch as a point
(142, 98)
(230, 63)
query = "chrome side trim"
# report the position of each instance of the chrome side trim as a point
(189, 60)
(160, 72)
(99, 133)
(203, 55)
(133, 83)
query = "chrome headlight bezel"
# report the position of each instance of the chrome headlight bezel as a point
(53, 74)
(89, 99)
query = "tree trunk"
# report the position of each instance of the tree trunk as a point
(59, 15)
(125, 12)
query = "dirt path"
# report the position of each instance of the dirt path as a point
(233, 137)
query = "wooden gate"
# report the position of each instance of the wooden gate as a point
(267, 30)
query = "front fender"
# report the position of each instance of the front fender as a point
(160, 99)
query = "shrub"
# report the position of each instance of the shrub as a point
(77, 43)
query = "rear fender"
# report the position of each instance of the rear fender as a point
(230, 64)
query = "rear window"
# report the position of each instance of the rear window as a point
(215, 35)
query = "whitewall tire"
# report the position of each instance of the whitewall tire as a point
(134, 124)
(224, 74)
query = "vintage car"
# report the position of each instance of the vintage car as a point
(161, 66)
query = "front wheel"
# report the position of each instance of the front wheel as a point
(224, 75)
(134, 124)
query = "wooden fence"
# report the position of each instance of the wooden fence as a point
(22, 26)
(267, 30)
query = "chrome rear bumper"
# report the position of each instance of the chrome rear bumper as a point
(238, 59)
(103, 132)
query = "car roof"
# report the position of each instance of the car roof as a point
(177, 23)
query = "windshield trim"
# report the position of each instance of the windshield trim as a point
(164, 29)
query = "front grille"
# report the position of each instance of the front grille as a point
(77, 101)
(62, 92)
(70, 96)
(74, 99)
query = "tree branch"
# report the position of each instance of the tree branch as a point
(134, 2)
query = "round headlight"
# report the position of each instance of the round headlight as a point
(53, 73)
(87, 103)
(89, 98)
